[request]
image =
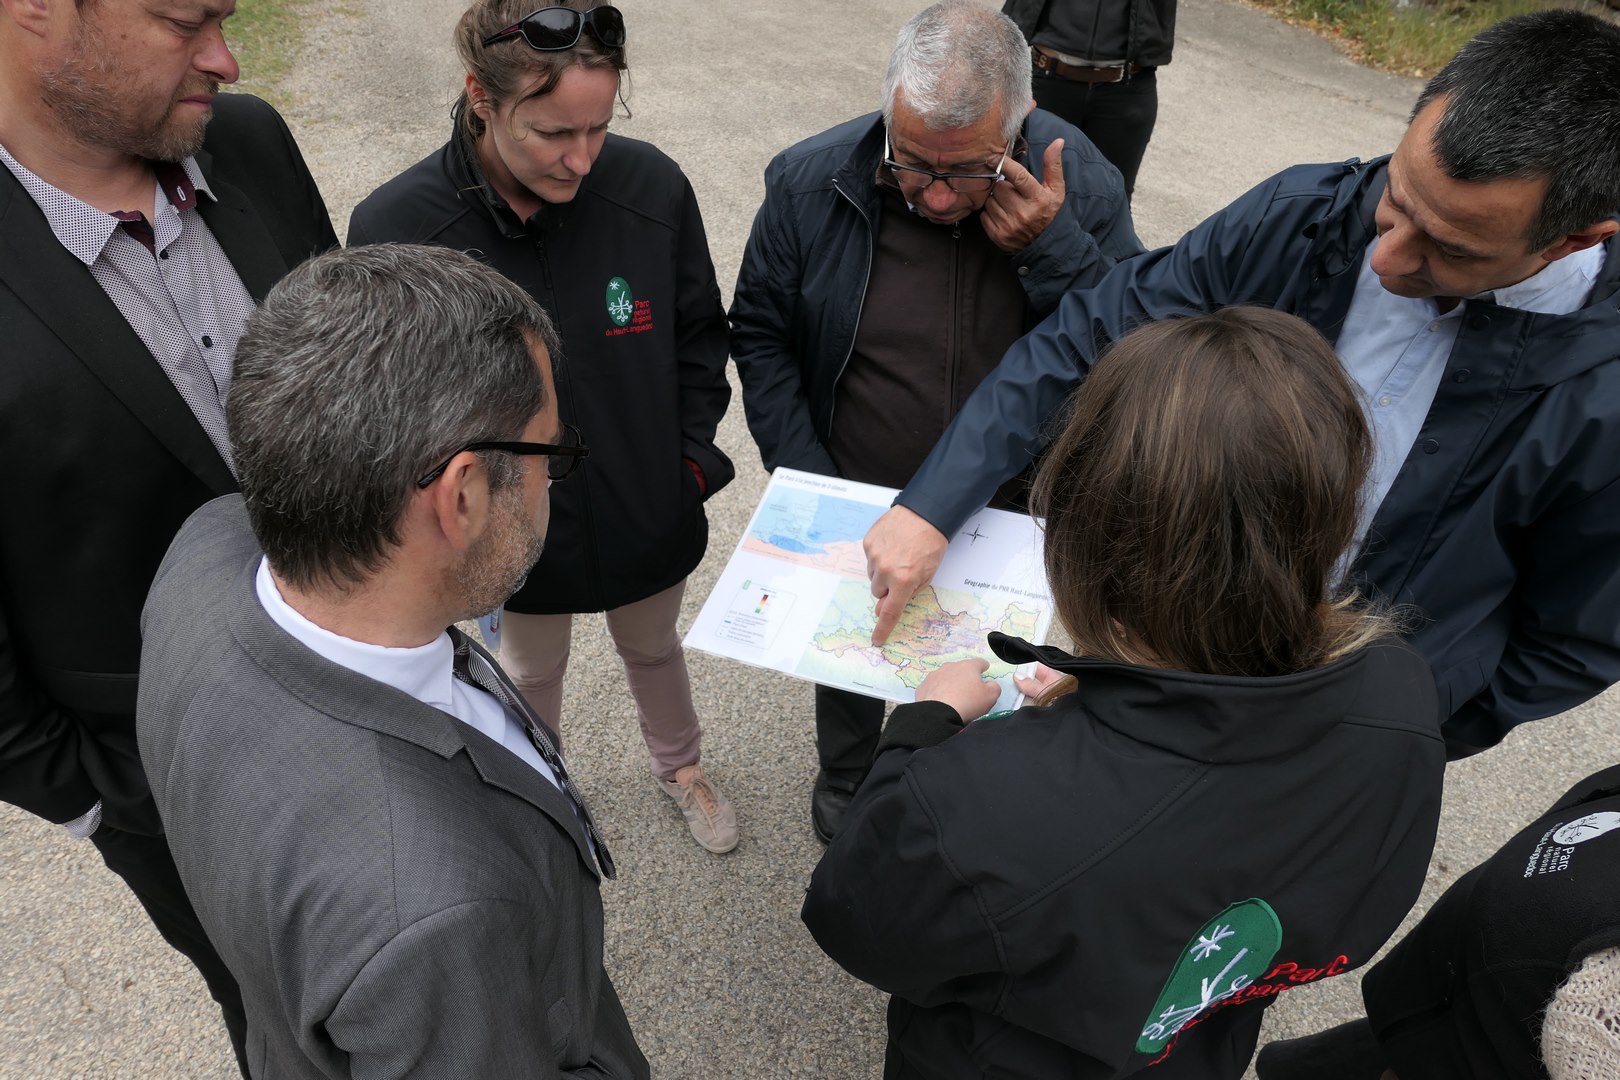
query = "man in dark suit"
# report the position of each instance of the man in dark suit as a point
(376, 830)
(132, 248)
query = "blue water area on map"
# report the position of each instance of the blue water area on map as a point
(804, 522)
(787, 543)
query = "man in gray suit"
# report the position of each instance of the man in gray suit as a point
(378, 835)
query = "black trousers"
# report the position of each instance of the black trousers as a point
(1117, 117)
(148, 869)
(847, 729)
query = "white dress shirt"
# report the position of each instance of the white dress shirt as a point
(1396, 348)
(424, 672)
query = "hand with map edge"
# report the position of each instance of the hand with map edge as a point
(961, 685)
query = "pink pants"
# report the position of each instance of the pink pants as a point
(534, 652)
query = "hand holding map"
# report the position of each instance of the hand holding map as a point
(961, 685)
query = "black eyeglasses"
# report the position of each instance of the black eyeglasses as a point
(552, 29)
(561, 459)
(963, 183)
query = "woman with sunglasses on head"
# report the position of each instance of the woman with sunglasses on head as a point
(605, 232)
(1234, 789)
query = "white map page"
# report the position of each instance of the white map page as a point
(795, 598)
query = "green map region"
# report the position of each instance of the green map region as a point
(938, 626)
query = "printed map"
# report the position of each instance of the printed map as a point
(795, 598)
(938, 626)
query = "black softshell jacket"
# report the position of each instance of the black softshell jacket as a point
(624, 272)
(1122, 881)
(1463, 996)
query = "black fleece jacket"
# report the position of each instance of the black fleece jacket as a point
(1125, 879)
(643, 374)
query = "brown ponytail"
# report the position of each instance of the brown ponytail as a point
(1204, 488)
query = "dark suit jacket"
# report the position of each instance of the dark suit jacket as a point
(398, 895)
(105, 462)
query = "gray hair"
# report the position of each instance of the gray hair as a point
(957, 60)
(1533, 96)
(363, 370)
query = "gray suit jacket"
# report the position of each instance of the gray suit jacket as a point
(398, 895)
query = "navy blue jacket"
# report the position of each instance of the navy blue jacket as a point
(1502, 530)
(804, 271)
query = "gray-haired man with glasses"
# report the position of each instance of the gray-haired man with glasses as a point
(894, 260)
(380, 837)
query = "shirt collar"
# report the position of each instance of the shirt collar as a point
(423, 672)
(85, 230)
(1559, 287)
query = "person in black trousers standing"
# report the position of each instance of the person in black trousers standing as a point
(1096, 65)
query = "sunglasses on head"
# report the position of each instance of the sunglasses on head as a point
(552, 29)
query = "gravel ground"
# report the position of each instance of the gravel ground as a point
(718, 976)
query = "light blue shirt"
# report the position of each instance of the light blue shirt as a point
(1396, 348)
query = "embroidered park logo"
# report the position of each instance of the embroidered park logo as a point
(1554, 857)
(620, 303)
(629, 315)
(1230, 952)
(1586, 828)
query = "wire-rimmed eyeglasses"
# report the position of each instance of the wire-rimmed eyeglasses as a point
(962, 183)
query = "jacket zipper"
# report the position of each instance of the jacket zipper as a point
(583, 476)
(871, 253)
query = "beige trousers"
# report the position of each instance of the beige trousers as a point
(534, 652)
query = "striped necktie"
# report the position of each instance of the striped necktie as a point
(472, 666)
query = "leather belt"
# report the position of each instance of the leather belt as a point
(1051, 65)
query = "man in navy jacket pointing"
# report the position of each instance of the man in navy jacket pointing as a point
(1469, 285)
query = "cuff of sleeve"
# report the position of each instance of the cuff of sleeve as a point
(697, 474)
(939, 513)
(85, 825)
(716, 468)
(920, 724)
(1052, 258)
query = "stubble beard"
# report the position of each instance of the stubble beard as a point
(90, 103)
(500, 563)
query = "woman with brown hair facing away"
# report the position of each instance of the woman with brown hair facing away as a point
(605, 232)
(1240, 796)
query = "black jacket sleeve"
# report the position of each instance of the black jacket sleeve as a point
(41, 746)
(700, 349)
(886, 902)
(1091, 233)
(1562, 650)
